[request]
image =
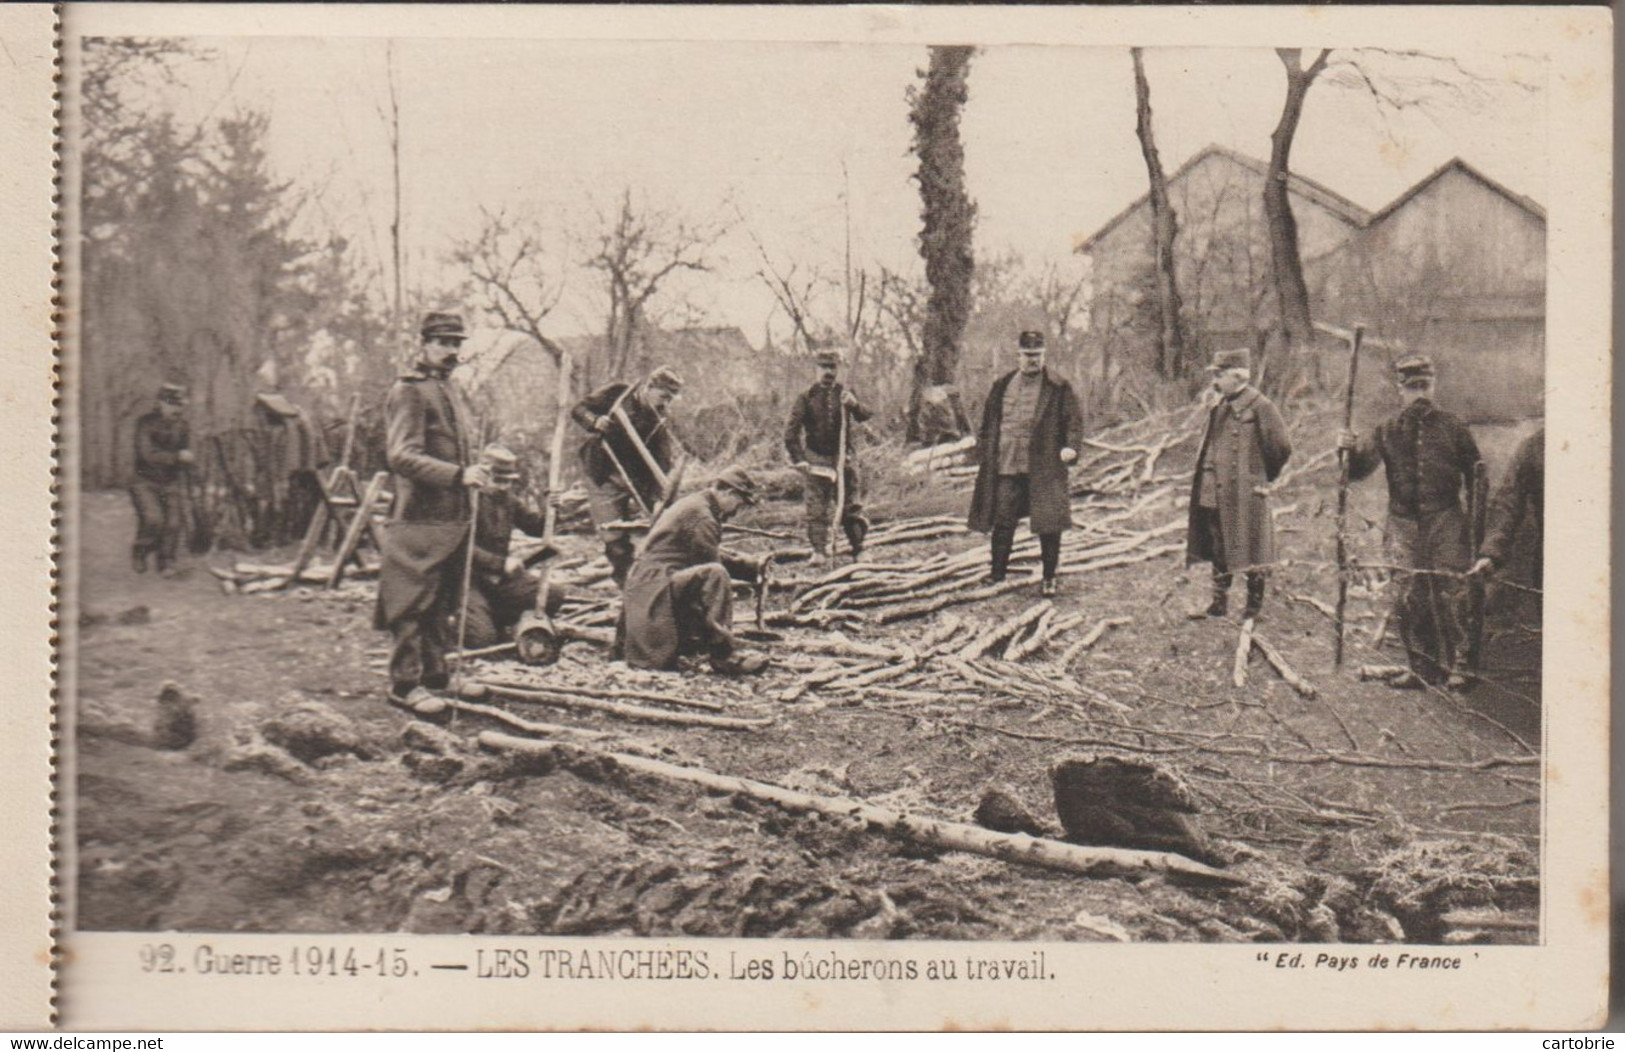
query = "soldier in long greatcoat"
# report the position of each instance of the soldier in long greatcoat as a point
(678, 597)
(1032, 428)
(1243, 450)
(1428, 455)
(163, 453)
(427, 445)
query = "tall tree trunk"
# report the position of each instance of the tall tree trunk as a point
(1286, 265)
(948, 217)
(1164, 229)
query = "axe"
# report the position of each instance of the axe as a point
(534, 637)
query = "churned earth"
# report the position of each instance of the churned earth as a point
(272, 789)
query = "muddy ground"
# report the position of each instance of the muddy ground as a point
(305, 803)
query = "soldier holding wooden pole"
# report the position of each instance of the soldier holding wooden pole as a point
(1429, 457)
(819, 441)
(626, 457)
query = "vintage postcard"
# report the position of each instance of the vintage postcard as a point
(795, 518)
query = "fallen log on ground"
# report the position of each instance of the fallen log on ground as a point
(992, 637)
(1284, 670)
(1091, 638)
(617, 692)
(1244, 650)
(478, 690)
(952, 836)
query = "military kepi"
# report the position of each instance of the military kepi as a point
(172, 394)
(738, 480)
(501, 460)
(828, 356)
(1414, 367)
(1239, 358)
(666, 378)
(1031, 340)
(443, 325)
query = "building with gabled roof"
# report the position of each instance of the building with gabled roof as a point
(1454, 267)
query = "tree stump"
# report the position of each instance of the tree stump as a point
(1111, 801)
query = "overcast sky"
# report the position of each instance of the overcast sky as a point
(1051, 152)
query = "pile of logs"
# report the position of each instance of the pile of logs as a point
(248, 578)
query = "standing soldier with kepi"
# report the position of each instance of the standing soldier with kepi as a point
(628, 451)
(420, 584)
(820, 421)
(1243, 450)
(1031, 429)
(1429, 455)
(163, 454)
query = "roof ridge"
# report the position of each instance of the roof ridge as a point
(1528, 204)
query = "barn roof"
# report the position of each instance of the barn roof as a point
(1456, 164)
(1303, 187)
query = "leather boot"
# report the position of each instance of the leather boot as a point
(1255, 596)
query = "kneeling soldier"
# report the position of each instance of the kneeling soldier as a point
(678, 597)
(1428, 455)
(819, 422)
(503, 590)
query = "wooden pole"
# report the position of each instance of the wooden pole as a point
(840, 481)
(478, 691)
(953, 836)
(1244, 649)
(468, 568)
(1343, 460)
(1475, 583)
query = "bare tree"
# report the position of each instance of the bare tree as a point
(1286, 270)
(948, 215)
(1395, 81)
(514, 278)
(1164, 229)
(638, 248)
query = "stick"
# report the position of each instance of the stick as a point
(1092, 637)
(617, 692)
(555, 461)
(1475, 584)
(1286, 672)
(1004, 630)
(468, 568)
(953, 836)
(618, 413)
(1244, 648)
(612, 708)
(1343, 463)
(840, 482)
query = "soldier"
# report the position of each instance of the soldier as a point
(1518, 506)
(503, 591)
(621, 486)
(428, 432)
(813, 438)
(678, 598)
(1243, 450)
(163, 454)
(1031, 429)
(1428, 455)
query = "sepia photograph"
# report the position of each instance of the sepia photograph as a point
(859, 491)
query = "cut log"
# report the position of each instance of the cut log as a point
(1244, 649)
(992, 637)
(1284, 670)
(1092, 637)
(478, 690)
(951, 836)
(618, 692)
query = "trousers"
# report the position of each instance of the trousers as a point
(1011, 504)
(160, 518)
(1429, 607)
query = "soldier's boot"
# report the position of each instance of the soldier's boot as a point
(738, 663)
(1003, 540)
(138, 560)
(1049, 547)
(1255, 596)
(857, 529)
(1219, 605)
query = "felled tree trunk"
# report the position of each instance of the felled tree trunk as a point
(952, 836)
